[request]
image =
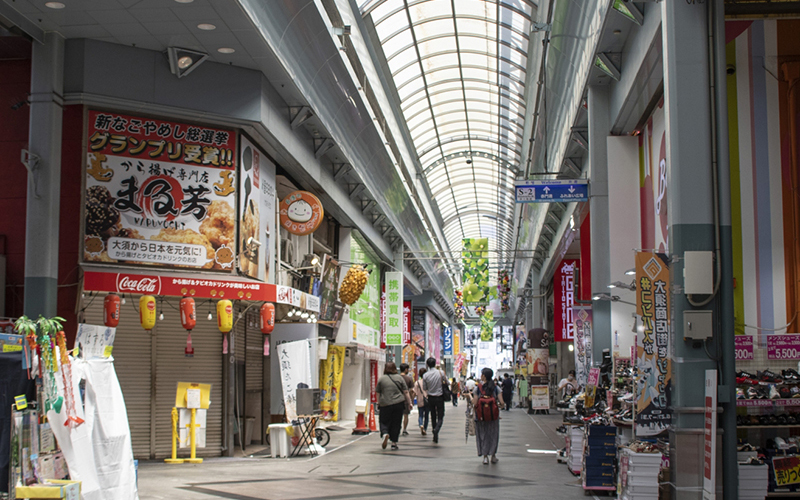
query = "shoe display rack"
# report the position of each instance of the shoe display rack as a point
(638, 475)
(768, 423)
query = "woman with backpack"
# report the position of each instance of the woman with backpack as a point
(487, 401)
(393, 400)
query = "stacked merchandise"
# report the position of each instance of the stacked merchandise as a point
(574, 448)
(35, 457)
(600, 453)
(639, 465)
(753, 480)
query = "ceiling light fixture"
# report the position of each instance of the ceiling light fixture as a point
(54, 5)
(631, 272)
(226, 50)
(184, 1)
(290, 313)
(304, 315)
(571, 348)
(184, 61)
(206, 26)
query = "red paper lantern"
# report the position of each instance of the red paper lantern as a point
(111, 306)
(188, 313)
(267, 318)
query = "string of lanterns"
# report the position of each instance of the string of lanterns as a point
(504, 289)
(458, 305)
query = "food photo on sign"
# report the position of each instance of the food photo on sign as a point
(257, 198)
(159, 193)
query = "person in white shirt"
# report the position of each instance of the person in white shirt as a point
(568, 386)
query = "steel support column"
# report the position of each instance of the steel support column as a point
(691, 195)
(44, 177)
(599, 129)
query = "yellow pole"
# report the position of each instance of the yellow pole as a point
(193, 440)
(174, 459)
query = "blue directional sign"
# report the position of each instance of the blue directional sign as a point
(552, 191)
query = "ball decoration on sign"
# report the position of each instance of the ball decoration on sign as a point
(504, 289)
(225, 315)
(111, 305)
(353, 284)
(458, 305)
(147, 312)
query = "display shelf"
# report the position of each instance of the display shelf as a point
(767, 403)
(782, 494)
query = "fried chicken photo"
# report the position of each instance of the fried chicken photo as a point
(218, 226)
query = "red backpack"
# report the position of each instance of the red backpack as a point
(486, 408)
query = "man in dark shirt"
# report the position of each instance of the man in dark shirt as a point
(410, 384)
(508, 391)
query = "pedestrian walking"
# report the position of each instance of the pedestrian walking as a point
(410, 385)
(432, 383)
(455, 391)
(393, 399)
(508, 391)
(487, 401)
(422, 398)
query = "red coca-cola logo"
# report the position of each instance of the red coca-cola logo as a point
(142, 284)
(151, 306)
(228, 309)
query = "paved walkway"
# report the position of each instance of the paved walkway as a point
(356, 467)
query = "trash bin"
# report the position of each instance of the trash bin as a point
(249, 424)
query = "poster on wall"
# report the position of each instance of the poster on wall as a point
(583, 343)
(329, 287)
(475, 277)
(537, 356)
(653, 184)
(365, 313)
(330, 382)
(159, 193)
(564, 294)
(540, 397)
(257, 209)
(652, 383)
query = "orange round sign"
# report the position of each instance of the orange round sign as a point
(301, 213)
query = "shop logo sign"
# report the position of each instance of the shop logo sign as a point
(141, 285)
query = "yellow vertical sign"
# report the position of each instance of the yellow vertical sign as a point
(456, 342)
(330, 382)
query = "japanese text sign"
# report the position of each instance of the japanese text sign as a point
(744, 347)
(447, 348)
(159, 193)
(394, 308)
(406, 322)
(257, 209)
(783, 346)
(710, 437)
(787, 470)
(652, 343)
(564, 293)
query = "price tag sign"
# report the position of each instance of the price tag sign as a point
(787, 470)
(744, 347)
(781, 346)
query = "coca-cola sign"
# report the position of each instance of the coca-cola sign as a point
(138, 284)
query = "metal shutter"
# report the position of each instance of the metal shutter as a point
(173, 367)
(132, 363)
(254, 355)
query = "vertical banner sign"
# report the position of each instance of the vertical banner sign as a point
(652, 344)
(710, 437)
(591, 386)
(456, 341)
(394, 308)
(406, 322)
(564, 297)
(257, 208)
(329, 287)
(537, 356)
(159, 193)
(418, 336)
(475, 277)
(295, 368)
(383, 317)
(448, 341)
(373, 381)
(583, 343)
(330, 382)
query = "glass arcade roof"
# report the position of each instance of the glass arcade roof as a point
(459, 70)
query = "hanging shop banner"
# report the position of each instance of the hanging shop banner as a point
(591, 387)
(710, 437)
(295, 369)
(256, 212)
(406, 322)
(394, 308)
(301, 213)
(521, 339)
(475, 277)
(652, 344)
(383, 317)
(653, 182)
(159, 193)
(583, 343)
(329, 287)
(437, 340)
(537, 356)
(564, 297)
(540, 397)
(373, 381)
(456, 341)
(330, 382)
(447, 347)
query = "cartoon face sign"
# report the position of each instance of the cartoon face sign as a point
(94, 245)
(224, 256)
(299, 211)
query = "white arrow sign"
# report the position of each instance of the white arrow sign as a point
(546, 189)
(571, 189)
